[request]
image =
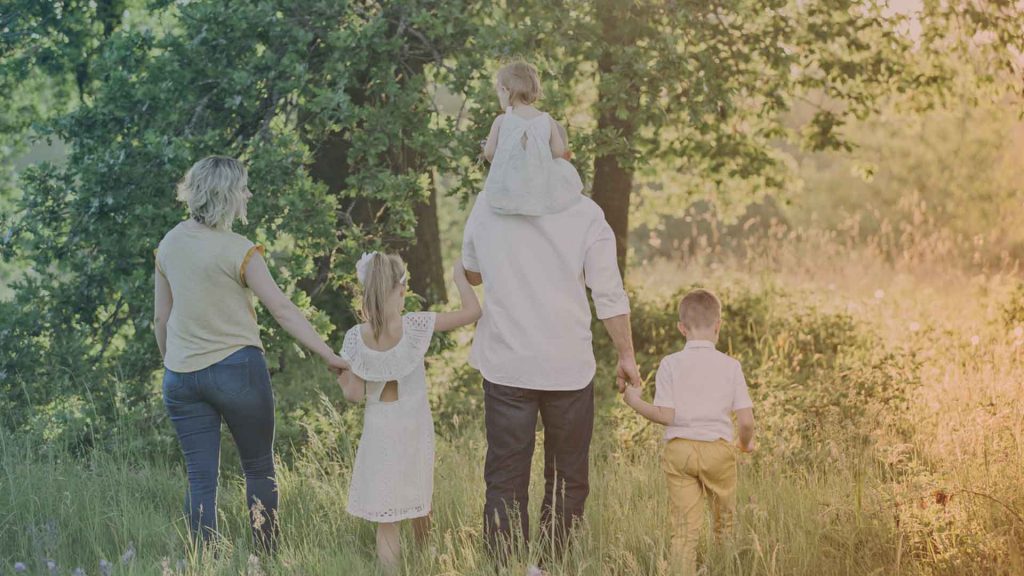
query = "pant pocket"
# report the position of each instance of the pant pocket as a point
(231, 379)
(173, 384)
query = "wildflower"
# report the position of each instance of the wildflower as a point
(914, 326)
(20, 568)
(975, 340)
(129, 554)
(106, 568)
(879, 294)
(165, 567)
(253, 566)
(51, 566)
(78, 572)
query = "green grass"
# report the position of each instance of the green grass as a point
(78, 512)
(891, 442)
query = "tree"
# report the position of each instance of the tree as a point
(283, 85)
(701, 88)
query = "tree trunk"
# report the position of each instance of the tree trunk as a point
(612, 187)
(426, 269)
(330, 166)
(613, 182)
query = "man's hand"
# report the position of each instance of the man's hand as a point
(745, 449)
(627, 372)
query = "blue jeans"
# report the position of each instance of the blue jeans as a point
(236, 389)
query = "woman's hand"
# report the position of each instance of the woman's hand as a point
(336, 364)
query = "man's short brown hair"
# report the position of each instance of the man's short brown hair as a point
(700, 309)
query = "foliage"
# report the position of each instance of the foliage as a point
(274, 83)
(814, 376)
(934, 492)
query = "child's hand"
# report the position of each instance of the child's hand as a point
(632, 394)
(745, 449)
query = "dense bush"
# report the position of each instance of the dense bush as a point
(820, 380)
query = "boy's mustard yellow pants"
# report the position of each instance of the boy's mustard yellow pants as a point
(696, 470)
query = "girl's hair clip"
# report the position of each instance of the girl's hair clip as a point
(363, 266)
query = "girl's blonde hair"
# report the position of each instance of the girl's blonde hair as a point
(384, 275)
(214, 189)
(522, 81)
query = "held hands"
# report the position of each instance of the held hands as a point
(627, 373)
(631, 395)
(335, 364)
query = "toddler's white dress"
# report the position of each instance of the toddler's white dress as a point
(524, 178)
(393, 477)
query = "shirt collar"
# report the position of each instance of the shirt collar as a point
(698, 344)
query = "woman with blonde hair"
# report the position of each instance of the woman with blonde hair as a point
(209, 340)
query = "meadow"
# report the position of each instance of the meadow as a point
(888, 389)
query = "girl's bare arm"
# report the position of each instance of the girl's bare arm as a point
(470, 311)
(352, 386)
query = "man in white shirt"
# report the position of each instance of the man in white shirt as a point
(533, 347)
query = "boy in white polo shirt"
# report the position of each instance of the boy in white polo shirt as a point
(698, 389)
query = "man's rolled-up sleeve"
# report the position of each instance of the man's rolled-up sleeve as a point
(601, 273)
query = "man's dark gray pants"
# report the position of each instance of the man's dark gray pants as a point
(511, 422)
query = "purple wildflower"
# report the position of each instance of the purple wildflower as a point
(129, 554)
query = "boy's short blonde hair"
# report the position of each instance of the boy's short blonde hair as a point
(699, 310)
(522, 81)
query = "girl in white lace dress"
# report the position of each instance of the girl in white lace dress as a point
(529, 173)
(393, 477)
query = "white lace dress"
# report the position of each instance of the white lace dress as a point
(393, 478)
(524, 178)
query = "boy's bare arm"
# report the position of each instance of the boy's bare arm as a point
(656, 414)
(745, 419)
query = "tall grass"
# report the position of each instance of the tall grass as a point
(888, 391)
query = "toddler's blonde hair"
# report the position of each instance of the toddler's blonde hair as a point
(383, 276)
(522, 81)
(699, 310)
